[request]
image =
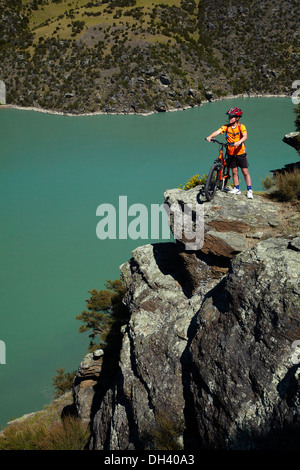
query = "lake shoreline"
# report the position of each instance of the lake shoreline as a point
(100, 113)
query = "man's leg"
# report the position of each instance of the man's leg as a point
(235, 176)
(248, 182)
(247, 177)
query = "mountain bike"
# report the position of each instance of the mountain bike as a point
(218, 175)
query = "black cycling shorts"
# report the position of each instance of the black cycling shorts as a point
(235, 161)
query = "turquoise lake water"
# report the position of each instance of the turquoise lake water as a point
(54, 173)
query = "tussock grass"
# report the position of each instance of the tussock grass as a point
(288, 185)
(166, 434)
(284, 186)
(46, 430)
(35, 434)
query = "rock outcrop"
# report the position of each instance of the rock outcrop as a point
(292, 139)
(207, 356)
(242, 374)
(230, 225)
(87, 377)
(150, 382)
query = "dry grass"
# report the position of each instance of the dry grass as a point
(283, 186)
(67, 434)
(166, 433)
(288, 185)
(46, 430)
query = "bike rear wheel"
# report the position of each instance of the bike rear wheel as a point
(212, 181)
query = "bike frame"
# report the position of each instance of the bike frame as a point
(221, 159)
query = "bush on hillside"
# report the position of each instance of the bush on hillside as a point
(63, 381)
(105, 314)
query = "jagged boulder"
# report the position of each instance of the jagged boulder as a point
(245, 382)
(230, 223)
(85, 381)
(150, 384)
(292, 139)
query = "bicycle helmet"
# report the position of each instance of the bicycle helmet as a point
(237, 112)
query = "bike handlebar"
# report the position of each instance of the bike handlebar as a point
(221, 143)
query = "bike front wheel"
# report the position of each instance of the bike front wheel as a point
(212, 181)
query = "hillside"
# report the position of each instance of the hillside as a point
(138, 55)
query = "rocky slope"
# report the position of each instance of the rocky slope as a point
(136, 56)
(208, 357)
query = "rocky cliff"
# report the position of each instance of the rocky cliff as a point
(208, 358)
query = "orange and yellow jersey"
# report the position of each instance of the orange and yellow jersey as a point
(234, 134)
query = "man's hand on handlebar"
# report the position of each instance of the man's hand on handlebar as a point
(212, 139)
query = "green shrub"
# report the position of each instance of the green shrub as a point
(268, 182)
(105, 314)
(194, 181)
(63, 381)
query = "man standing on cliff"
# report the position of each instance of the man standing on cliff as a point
(236, 134)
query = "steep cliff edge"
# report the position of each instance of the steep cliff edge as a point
(243, 375)
(207, 358)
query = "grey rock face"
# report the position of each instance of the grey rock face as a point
(206, 357)
(86, 379)
(230, 222)
(243, 376)
(292, 139)
(150, 380)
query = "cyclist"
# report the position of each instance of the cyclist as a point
(236, 134)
